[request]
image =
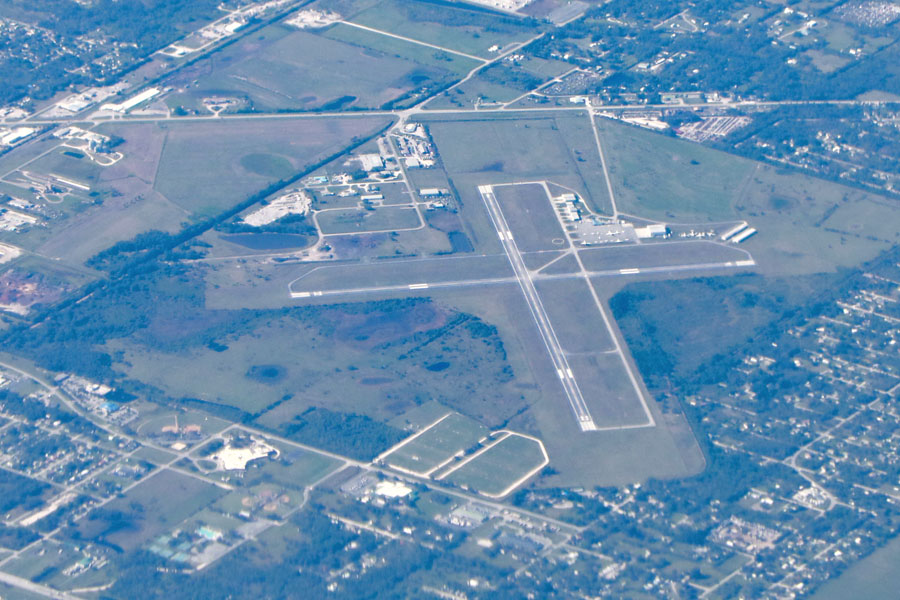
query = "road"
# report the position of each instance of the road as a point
(557, 355)
(34, 588)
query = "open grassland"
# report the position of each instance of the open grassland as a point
(660, 177)
(452, 435)
(402, 272)
(209, 167)
(68, 164)
(574, 315)
(497, 470)
(363, 220)
(608, 392)
(531, 217)
(374, 359)
(149, 509)
(294, 468)
(794, 213)
(394, 47)
(557, 148)
(876, 574)
(282, 68)
(454, 27)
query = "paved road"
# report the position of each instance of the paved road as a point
(557, 355)
(34, 588)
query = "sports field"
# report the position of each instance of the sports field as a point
(502, 467)
(436, 445)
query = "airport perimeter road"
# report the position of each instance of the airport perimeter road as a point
(576, 400)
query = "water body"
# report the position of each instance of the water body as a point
(876, 577)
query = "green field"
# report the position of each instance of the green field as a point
(437, 445)
(372, 359)
(497, 469)
(875, 576)
(207, 167)
(149, 509)
(795, 214)
(363, 220)
(558, 148)
(573, 312)
(391, 46)
(294, 468)
(282, 68)
(531, 217)
(453, 27)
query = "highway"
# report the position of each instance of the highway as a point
(557, 355)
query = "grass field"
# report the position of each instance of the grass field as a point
(280, 365)
(610, 397)
(282, 68)
(876, 575)
(361, 220)
(69, 164)
(661, 177)
(559, 148)
(531, 217)
(795, 214)
(207, 167)
(149, 509)
(294, 468)
(574, 315)
(503, 147)
(495, 471)
(403, 272)
(664, 254)
(437, 445)
(391, 46)
(451, 27)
